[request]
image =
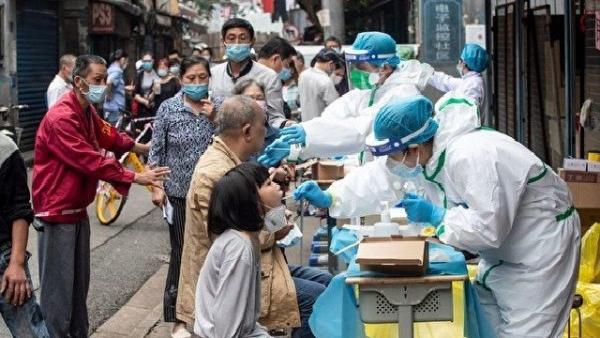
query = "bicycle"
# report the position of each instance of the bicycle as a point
(109, 203)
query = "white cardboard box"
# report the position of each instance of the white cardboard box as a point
(575, 164)
(593, 166)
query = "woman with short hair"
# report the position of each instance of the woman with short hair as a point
(183, 129)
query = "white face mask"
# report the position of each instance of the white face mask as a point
(275, 219)
(336, 78)
(374, 78)
(402, 170)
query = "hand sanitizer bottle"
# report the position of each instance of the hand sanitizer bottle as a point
(385, 227)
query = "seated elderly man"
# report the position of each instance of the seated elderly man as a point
(288, 292)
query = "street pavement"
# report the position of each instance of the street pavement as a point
(129, 261)
(123, 256)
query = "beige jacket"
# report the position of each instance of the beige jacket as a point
(279, 308)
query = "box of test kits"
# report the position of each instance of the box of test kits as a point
(585, 192)
(394, 255)
(584, 187)
(593, 166)
(573, 176)
(327, 171)
(574, 164)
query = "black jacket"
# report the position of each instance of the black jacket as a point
(14, 194)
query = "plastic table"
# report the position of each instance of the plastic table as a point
(405, 300)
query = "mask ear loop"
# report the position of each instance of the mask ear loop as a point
(406, 152)
(84, 81)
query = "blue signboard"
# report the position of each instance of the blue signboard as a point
(442, 31)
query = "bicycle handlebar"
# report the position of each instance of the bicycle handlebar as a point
(6, 109)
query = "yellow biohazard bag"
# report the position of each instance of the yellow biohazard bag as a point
(588, 286)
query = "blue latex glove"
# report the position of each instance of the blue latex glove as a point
(343, 244)
(274, 153)
(420, 210)
(293, 134)
(311, 192)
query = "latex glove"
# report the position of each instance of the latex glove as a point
(311, 192)
(274, 153)
(293, 134)
(420, 210)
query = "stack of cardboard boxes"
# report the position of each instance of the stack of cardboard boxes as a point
(583, 179)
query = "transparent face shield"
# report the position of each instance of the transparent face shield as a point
(362, 76)
(383, 147)
(364, 68)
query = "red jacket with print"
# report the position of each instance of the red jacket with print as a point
(68, 163)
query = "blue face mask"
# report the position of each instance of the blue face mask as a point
(95, 93)
(402, 170)
(238, 52)
(285, 74)
(196, 92)
(147, 66)
(174, 70)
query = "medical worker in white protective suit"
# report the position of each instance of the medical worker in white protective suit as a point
(377, 75)
(473, 61)
(489, 195)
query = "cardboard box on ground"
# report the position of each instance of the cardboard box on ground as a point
(585, 191)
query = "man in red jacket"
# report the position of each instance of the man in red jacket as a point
(67, 167)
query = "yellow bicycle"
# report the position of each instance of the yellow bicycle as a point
(109, 203)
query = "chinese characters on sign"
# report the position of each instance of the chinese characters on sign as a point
(442, 30)
(102, 18)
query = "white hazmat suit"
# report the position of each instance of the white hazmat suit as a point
(470, 85)
(501, 202)
(344, 125)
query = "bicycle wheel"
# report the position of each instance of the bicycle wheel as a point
(109, 203)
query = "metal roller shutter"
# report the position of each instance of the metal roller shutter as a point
(37, 59)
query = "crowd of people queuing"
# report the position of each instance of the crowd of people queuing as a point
(211, 121)
(227, 275)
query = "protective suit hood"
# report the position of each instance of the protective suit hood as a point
(456, 115)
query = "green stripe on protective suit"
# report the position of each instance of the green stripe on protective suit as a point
(335, 313)
(498, 204)
(512, 204)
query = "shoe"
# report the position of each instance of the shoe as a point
(181, 333)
